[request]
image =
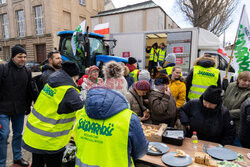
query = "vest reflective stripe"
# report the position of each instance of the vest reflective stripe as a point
(96, 135)
(162, 55)
(50, 120)
(202, 79)
(45, 128)
(45, 133)
(169, 70)
(134, 74)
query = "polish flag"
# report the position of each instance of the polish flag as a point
(222, 51)
(102, 28)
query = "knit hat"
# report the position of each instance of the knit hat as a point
(131, 60)
(92, 68)
(142, 85)
(213, 94)
(70, 68)
(161, 79)
(171, 57)
(113, 69)
(16, 50)
(144, 75)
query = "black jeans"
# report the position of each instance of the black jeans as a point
(51, 160)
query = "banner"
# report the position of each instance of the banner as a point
(80, 28)
(241, 59)
(102, 28)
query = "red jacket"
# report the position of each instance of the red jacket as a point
(80, 81)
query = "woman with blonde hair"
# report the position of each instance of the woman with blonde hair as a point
(236, 93)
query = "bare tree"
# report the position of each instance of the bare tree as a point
(213, 15)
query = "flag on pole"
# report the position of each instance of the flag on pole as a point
(222, 51)
(102, 28)
(241, 58)
(80, 28)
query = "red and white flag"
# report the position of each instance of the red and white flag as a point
(102, 28)
(222, 51)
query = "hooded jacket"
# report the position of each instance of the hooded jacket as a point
(71, 102)
(178, 90)
(204, 62)
(46, 72)
(15, 89)
(232, 99)
(105, 103)
(244, 134)
(213, 125)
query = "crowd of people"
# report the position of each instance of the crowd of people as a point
(104, 108)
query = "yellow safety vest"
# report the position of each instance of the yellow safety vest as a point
(134, 74)
(202, 79)
(169, 70)
(161, 55)
(102, 143)
(153, 56)
(45, 128)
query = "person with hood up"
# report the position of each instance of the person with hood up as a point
(91, 81)
(49, 126)
(203, 75)
(132, 65)
(130, 80)
(208, 117)
(107, 133)
(236, 93)
(114, 79)
(168, 64)
(134, 97)
(55, 64)
(161, 102)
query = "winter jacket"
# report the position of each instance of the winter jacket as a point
(162, 108)
(130, 80)
(80, 81)
(104, 103)
(232, 99)
(213, 125)
(46, 72)
(204, 62)
(178, 90)
(71, 102)
(133, 99)
(15, 89)
(244, 134)
(119, 84)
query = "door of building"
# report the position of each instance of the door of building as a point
(41, 53)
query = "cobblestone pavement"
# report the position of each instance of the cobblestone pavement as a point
(26, 155)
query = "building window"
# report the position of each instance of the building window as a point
(39, 20)
(2, 1)
(5, 26)
(20, 23)
(82, 2)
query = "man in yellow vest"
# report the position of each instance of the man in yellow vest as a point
(203, 75)
(132, 65)
(49, 126)
(162, 53)
(153, 58)
(169, 64)
(107, 133)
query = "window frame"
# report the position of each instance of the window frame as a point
(5, 26)
(20, 24)
(39, 26)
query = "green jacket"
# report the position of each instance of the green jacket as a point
(232, 99)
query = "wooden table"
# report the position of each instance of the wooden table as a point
(187, 147)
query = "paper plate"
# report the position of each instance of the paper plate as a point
(162, 148)
(171, 160)
(222, 153)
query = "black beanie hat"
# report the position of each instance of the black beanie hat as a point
(16, 50)
(131, 60)
(213, 94)
(70, 68)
